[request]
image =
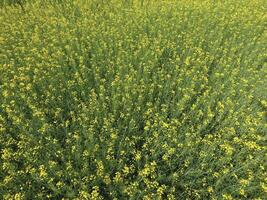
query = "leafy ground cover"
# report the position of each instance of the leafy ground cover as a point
(133, 99)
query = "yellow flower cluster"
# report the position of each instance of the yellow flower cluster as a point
(133, 99)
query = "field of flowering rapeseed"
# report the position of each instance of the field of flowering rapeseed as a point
(123, 99)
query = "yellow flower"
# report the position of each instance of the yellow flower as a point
(42, 173)
(242, 192)
(126, 170)
(137, 156)
(95, 195)
(210, 189)
(227, 197)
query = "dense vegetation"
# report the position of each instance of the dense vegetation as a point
(133, 99)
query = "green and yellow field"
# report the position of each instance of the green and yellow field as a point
(113, 99)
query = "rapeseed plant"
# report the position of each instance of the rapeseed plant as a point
(133, 99)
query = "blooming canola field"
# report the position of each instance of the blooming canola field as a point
(133, 99)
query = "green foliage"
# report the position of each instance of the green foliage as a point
(133, 100)
(12, 3)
